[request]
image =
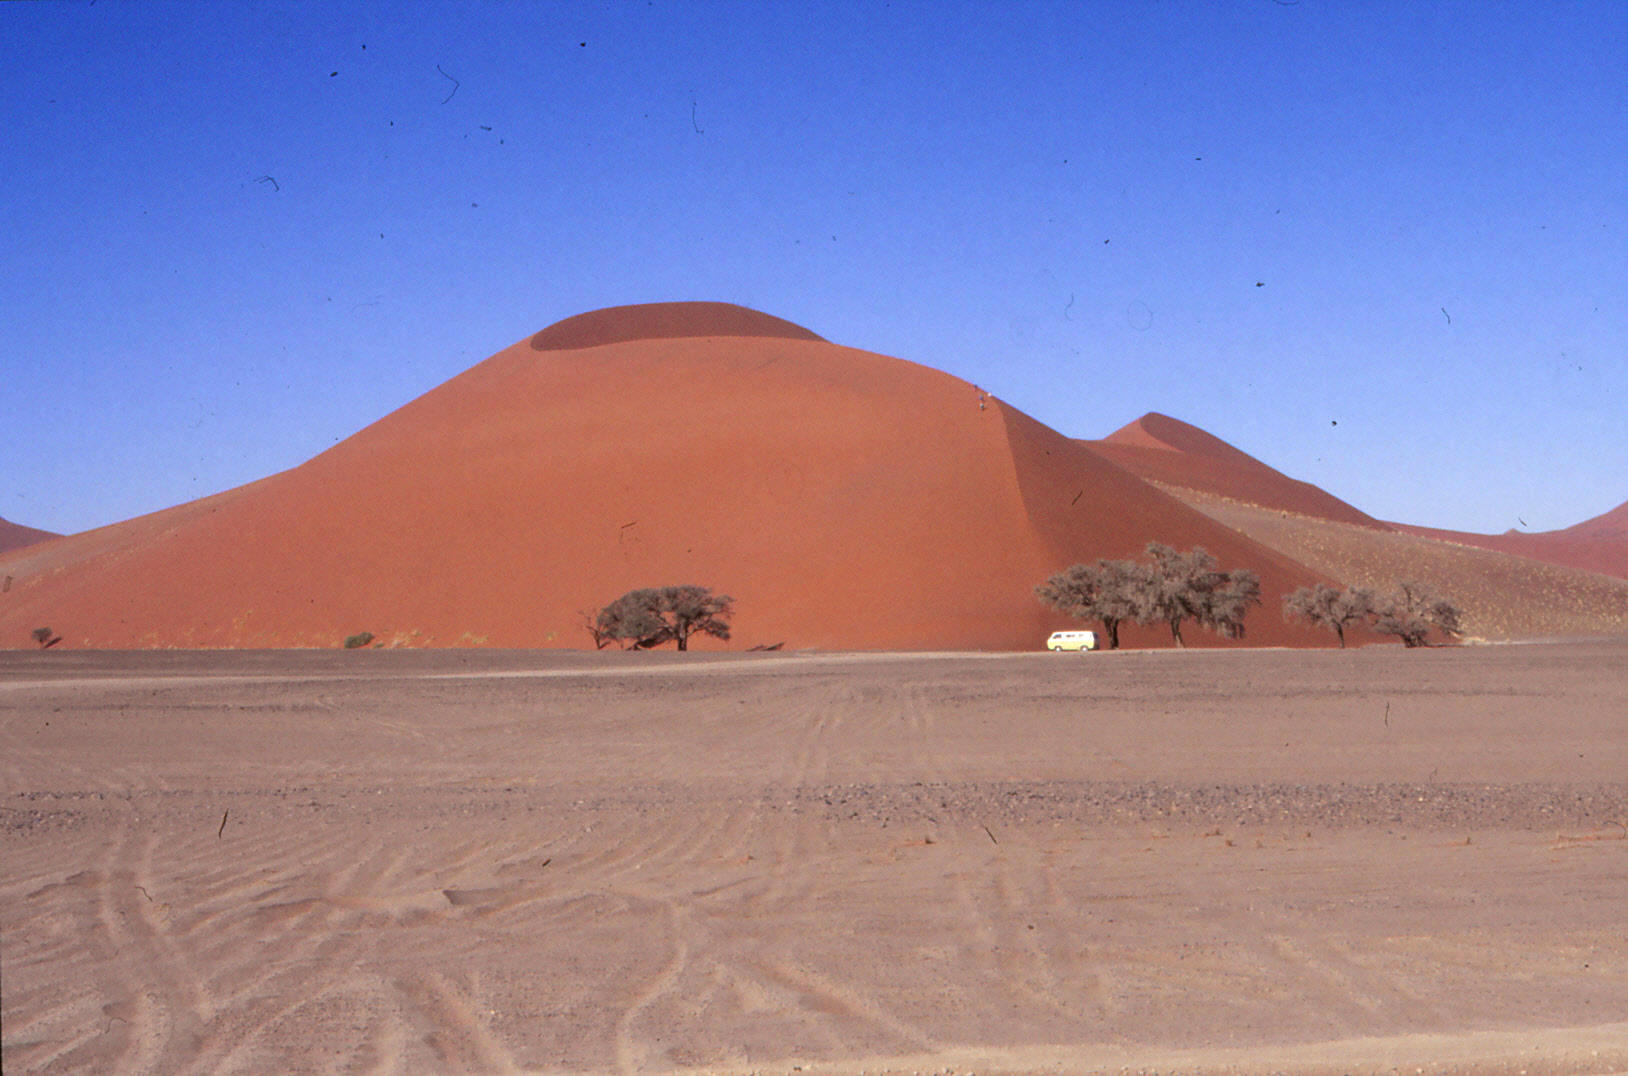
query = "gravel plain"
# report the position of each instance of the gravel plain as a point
(1372, 860)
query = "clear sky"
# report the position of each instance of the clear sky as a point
(1381, 246)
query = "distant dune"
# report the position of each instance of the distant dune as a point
(1169, 451)
(1611, 526)
(1595, 545)
(15, 535)
(1197, 466)
(846, 500)
(1503, 596)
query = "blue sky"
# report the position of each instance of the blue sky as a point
(1381, 246)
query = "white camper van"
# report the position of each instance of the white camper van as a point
(1072, 640)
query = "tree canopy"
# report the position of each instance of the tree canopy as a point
(1189, 586)
(1171, 588)
(655, 615)
(1412, 610)
(1104, 592)
(1328, 608)
(1410, 613)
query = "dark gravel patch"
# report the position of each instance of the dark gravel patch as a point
(1415, 806)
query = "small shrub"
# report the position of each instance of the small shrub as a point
(45, 638)
(359, 640)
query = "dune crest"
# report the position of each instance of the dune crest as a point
(663, 321)
(1612, 524)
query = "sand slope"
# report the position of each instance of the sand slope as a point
(1511, 585)
(1168, 451)
(845, 499)
(15, 535)
(1502, 596)
(1610, 525)
(1595, 545)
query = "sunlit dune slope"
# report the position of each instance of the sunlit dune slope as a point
(1171, 452)
(15, 535)
(1595, 545)
(845, 500)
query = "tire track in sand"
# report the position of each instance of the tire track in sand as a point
(164, 1000)
(451, 1029)
(626, 1046)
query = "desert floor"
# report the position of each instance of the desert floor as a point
(465, 861)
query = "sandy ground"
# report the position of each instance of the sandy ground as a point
(1309, 861)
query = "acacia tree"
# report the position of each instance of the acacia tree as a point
(591, 623)
(631, 620)
(654, 615)
(1104, 592)
(1175, 587)
(1189, 586)
(1412, 611)
(1329, 608)
(692, 609)
(1224, 607)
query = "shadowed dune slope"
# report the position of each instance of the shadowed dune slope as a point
(845, 499)
(1594, 545)
(15, 535)
(1168, 451)
(663, 321)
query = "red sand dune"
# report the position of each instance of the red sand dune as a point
(845, 499)
(1612, 525)
(1166, 450)
(15, 535)
(1595, 545)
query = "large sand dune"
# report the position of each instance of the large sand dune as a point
(844, 499)
(1317, 862)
